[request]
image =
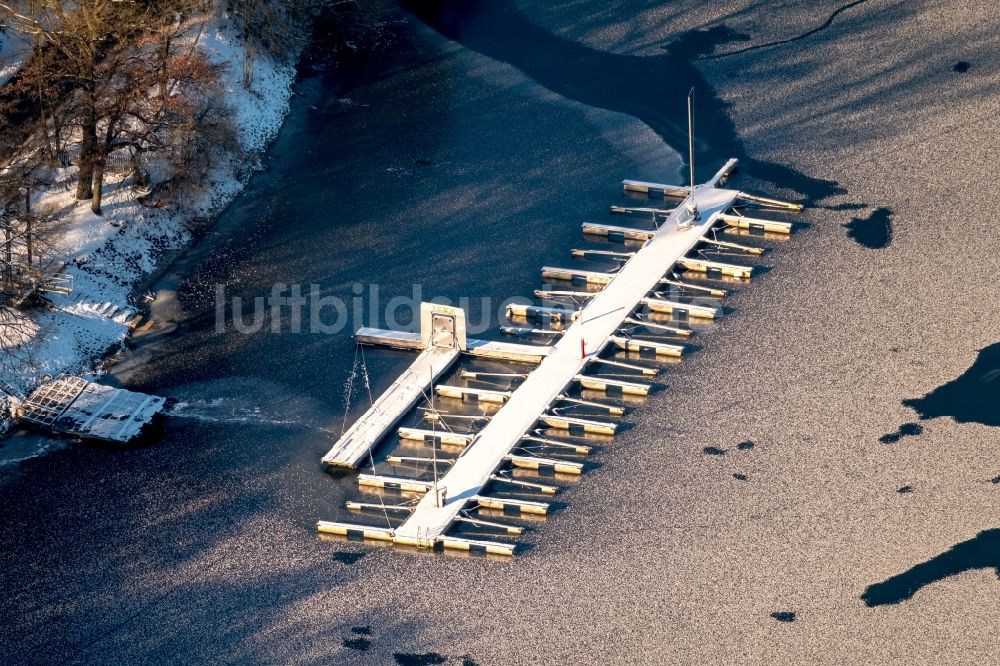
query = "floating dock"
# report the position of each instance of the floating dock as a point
(404, 393)
(488, 349)
(603, 320)
(436, 357)
(74, 406)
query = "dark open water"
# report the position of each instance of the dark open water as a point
(431, 166)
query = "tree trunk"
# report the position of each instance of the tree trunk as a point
(57, 136)
(163, 65)
(9, 268)
(27, 224)
(46, 146)
(88, 147)
(248, 59)
(98, 189)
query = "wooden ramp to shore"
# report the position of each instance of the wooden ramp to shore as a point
(605, 319)
(74, 406)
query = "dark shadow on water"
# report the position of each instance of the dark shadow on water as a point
(874, 231)
(844, 206)
(359, 644)
(649, 88)
(905, 430)
(347, 557)
(980, 552)
(972, 398)
(416, 659)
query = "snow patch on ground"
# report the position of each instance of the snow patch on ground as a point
(110, 256)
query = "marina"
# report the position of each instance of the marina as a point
(572, 338)
(812, 479)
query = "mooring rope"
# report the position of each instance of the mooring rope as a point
(437, 414)
(364, 367)
(349, 390)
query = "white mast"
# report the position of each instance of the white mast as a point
(434, 460)
(691, 135)
(692, 207)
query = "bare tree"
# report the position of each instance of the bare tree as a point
(27, 236)
(274, 28)
(85, 46)
(189, 127)
(17, 332)
(196, 124)
(110, 55)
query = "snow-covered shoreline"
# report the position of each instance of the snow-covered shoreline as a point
(114, 257)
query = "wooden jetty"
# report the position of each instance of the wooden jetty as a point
(598, 320)
(74, 406)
